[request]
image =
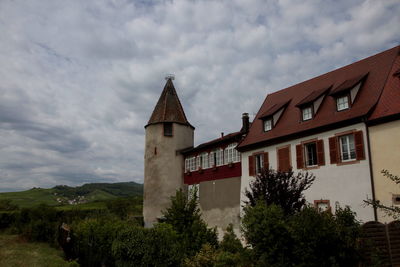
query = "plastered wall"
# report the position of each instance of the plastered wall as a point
(385, 154)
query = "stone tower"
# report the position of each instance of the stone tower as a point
(167, 132)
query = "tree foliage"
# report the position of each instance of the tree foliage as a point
(284, 189)
(185, 218)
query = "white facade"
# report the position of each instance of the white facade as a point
(343, 184)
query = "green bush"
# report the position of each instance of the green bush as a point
(185, 218)
(93, 240)
(266, 229)
(138, 246)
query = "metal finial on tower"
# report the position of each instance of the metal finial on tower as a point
(170, 76)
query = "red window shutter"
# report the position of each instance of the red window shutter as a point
(320, 153)
(251, 166)
(299, 157)
(333, 150)
(283, 159)
(266, 161)
(359, 143)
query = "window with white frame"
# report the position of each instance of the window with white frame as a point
(347, 147)
(204, 160)
(342, 102)
(219, 157)
(310, 151)
(231, 154)
(307, 113)
(190, 164)
(212, 159)
(198, 162)
(259, 162)
(267, 125)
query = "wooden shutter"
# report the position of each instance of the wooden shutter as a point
(266, 161)
(333, 150)
(251, 166)
(299, 156)
(320, 153)
(283, 159)
(359, 144)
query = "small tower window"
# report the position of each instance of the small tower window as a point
(167, 128)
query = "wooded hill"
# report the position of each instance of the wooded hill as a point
(62, 194)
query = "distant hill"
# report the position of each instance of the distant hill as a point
(63, 194)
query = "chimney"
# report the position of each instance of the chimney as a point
(245, 123)
(222, 134)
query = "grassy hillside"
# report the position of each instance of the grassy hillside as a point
(64, 195)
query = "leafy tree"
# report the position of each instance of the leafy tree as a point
(266, 230)
(280, 188)
(185, 217)
(7, 205)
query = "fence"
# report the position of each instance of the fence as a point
(380, 243)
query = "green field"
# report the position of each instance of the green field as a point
(94, 192)
(14, 251)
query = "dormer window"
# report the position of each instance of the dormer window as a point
(267, 125)
(342, 102)
(307, 113)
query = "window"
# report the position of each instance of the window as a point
(267, 125)
(167, 128)
(190, 164)
(231, 154)
(342, 103)
(198, 162)
(204, 160)
(307, 113)
(396, 199)
(212, 159)
(284, 163)
(322, 205)
(310, 151)
(219, 157)
(347, 148)
(310, 154)
(259, 160)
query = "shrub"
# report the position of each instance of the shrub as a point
(137, 246)
(185, 218)
(93, 240)
(267, 231)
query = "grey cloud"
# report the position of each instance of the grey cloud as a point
(81, 78)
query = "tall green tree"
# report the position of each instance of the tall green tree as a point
(185, 217)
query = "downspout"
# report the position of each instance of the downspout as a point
(371, 173)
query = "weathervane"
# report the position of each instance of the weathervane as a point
(170, 76)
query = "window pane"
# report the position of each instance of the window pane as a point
(267, 125)
(307, 113)
(311, 154)
(342, 103)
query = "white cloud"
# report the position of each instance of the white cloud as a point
(81, 78)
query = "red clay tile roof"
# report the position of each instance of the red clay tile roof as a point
(379, 67)
(168, 108)
(236, 136)
(389, 102)
(348, 84)
(313, 96)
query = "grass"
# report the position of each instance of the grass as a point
(14, 252)
(32, 197)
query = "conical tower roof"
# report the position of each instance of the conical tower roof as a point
(168, 108)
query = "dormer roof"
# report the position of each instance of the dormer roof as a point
(168, 108)
(377, 90)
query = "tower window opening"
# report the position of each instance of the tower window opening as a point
(167, 128)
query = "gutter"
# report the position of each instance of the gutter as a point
(371, 173)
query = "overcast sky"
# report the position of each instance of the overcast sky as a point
(79, 79)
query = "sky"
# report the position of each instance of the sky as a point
(79, 79)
